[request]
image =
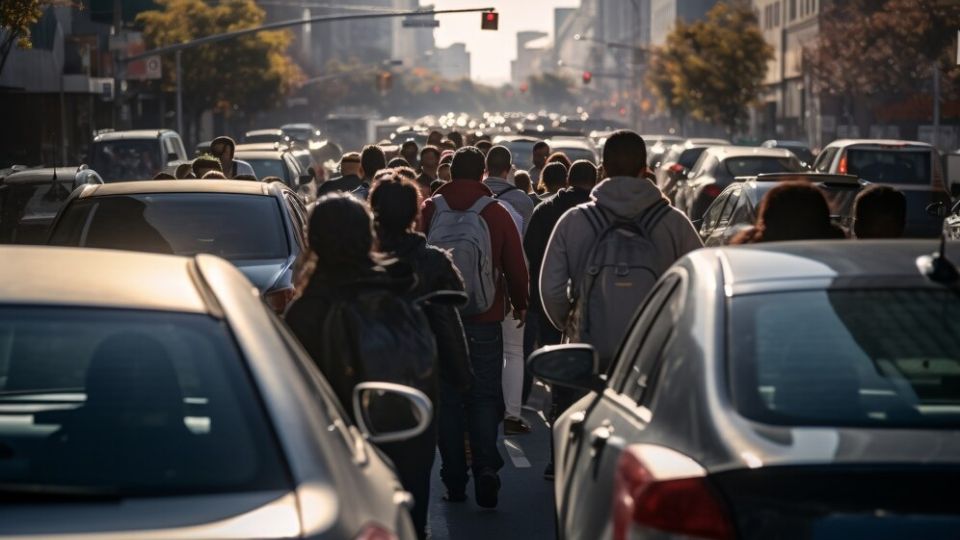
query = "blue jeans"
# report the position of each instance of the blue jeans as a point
(479, 412)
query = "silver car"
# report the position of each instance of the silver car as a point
(795, 390)
(152, 396)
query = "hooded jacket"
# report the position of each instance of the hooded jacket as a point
(621, 198)
(519, 201)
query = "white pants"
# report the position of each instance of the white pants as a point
(512, 366)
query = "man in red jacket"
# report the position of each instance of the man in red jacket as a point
(480, 412)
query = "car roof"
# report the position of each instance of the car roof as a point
(264, 132)
(131, 134)
(708, 141)
(44, 175)
(298, 126)
(238, 187)
(782, 142)
(259, 154)
(784, 265)
(878, 142)
(569, 143)
(35, 275)
(727, 151)
(261, 146)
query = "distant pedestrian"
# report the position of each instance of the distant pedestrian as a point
(447, 145)
(204, 164)
(560, 157)
(410, 152)
(434, 138)
(456, 137)
(429, 161)
(880, 212)
(791, 211)
(539, 154)
(552, 179)
(223, 148)
(463, 217)
(398, 162)
(184, 171)
(484, 146)
(443, 173)
(349, 178)
(372, 161)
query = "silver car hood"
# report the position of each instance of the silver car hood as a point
(268, 514)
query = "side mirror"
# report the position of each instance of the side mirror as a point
(575, 366)
(937, 209)
(304, 179)
(387, 412)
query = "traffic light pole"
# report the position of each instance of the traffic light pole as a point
(180, 47)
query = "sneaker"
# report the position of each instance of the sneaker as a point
(548, 472)
(455, 495)
(515, 426)
(487, 487)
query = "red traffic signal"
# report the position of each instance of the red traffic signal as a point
(587, 77)
(490, 20)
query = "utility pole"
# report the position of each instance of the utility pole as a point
(634, 113)
(936, 105)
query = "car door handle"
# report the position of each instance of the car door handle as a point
(599, 438)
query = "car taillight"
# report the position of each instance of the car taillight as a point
(666, 502)
(676, 168)
(711, 190)
(842, 168)
(374, 531)
(278, 299)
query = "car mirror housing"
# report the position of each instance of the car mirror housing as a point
(387, 412)
(574, 365)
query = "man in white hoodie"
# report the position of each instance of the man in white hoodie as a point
(625, 197)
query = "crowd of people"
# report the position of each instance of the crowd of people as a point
(445, 267)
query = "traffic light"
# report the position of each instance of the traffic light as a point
(490, 20)
(587, 77)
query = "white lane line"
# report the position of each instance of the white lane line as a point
(516, 454)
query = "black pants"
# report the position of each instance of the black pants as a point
(413, 460)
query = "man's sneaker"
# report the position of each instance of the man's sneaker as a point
(548, 472)
(487, 486)
(515, 426)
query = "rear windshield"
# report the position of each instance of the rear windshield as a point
(890, 166)
(268, 138)
(871, 358)
(268, 167)
(27, 209)
(128, 159)
(232, 226)
(128, 403)
(689, 157)
(754, 165)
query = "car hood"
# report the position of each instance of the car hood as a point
(263, 273)
(268, 514)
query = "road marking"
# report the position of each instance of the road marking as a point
(516, 454)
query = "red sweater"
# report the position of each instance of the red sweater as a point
(505, 242)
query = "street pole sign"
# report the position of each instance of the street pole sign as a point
(420, 23)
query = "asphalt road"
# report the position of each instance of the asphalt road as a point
(525, 510)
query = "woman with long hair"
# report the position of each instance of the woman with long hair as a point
(793, 210)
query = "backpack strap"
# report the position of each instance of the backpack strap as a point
(596, 218)
(653, 215)
(481, 204)
(441, 204)
(508, 190)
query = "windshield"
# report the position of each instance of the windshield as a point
(890, 166)
(130, 403)
(578, 153)
(129, 159)
(235, 227)
(268, 167)
(752, 166)
(262, 138)
(27, 209)
(881, 358)
(299, 134)
(688, 158)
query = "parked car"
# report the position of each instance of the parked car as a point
(275, 162)
(735, 209)
(135, 155)
(261, 228)
(574, 148)
(672, 169)
(770, 391)
(799, 149)
(31, 198)
(152, 396)
(717, 168)
(910, 166)
(265, 136)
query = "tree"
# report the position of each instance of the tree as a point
(248, 73)
(875, 48)
(551, 90)
(16, 18)
(712, 70)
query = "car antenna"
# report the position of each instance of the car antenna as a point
(937, 267)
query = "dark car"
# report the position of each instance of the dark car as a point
(785, 390)
(799, 149)
(717, 168)
(31, 198)
(672, 169)
(135, 155)
(735, 209)
(260, 228)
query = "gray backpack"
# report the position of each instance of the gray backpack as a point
(622, 267)
(466, 236)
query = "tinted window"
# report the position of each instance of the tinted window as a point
(130, 402)
(231, 226)
(268, 138)
(689, 157)
(27, 209)
(848, 358)
(642, 372)
(889, 167)
(752, 166)
(825, 160)
(128, 159)
(268, 167)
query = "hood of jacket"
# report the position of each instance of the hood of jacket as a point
(497, 185)
(403, 246)
(626, 196)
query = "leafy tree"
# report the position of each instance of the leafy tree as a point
(712, 70)
(249, 73)
(551, 90)
(16, 18)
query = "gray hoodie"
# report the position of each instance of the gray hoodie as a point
(626, 198)
(505, 191)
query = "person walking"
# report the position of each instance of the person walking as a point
(880, 212)
(463, 217)
(629, 221)
(429, 162)
(372, 161)
(349, 178)
(539, 154)
(499, 167)
(553, 178)
(223, 148)
(791, 211)
(410, 152)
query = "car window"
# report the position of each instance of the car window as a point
(131, 403)
(890, 166)
(268, 167)
(872, 358)
(232, 226)
(712, 215)
(297, 215)
(638, 379)
(638, 331)
(690, 156)
(128, 159)
(743, 213)
(732, 200)
(754, 165)
(825, 160)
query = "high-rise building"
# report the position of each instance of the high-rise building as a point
(531, 45)
(452, 62)
(664, 15)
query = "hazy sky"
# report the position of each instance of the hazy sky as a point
(491, 52)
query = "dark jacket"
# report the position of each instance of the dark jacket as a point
(344, 183)
(505, 242)
(544, 219)
(435, 272)
(307, 314)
